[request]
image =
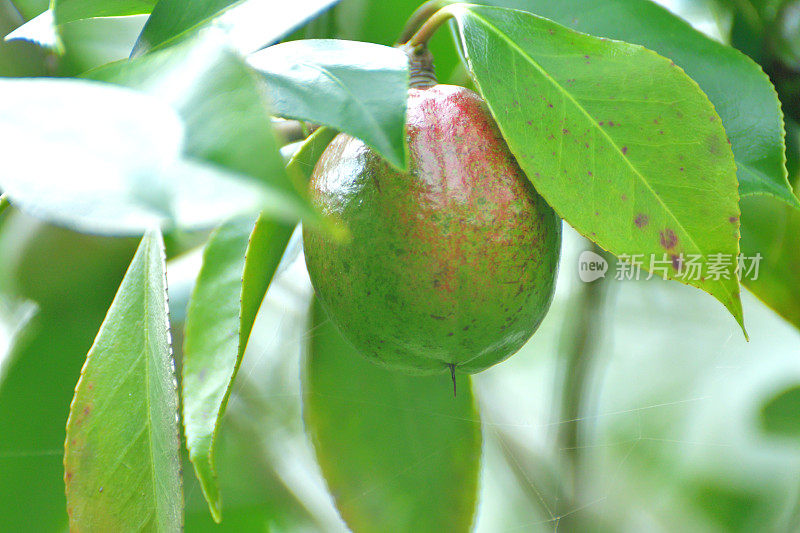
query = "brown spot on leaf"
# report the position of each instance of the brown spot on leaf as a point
(641, 220)
(733, 220)
(668, 239)
(624, 149)
(677, 262)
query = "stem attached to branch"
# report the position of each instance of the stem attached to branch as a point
(419, 17)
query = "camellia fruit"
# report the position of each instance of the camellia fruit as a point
(451, 266)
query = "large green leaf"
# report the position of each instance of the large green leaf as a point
(121, 460)
(740, 91)
(71, 278)
(238, 265)
(618, 140)
(399, 452)
(358, 88)
(93, 176)
(224, 105)
(772, 230)
(70, 10)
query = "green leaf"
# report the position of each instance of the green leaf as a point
(780, 415)
(772, 229)
(254, 24)
(224, 106)
(121, 460)
(358, 88)
(71, 278)
(398, 452)
(618, 140)
(70, 10)
(238, 265)
(751, 113)
(249, 25)
(94, 177)
(172, 19)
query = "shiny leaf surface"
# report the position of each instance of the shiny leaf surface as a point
(94, 177)
(358, 88)
(227, 116)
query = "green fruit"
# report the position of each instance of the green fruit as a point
(453, 263)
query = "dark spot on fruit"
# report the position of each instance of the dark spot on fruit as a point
(450, 334)
(87, 410)
(733, 220)
(530, 123)
(668, 239)
(641, 220)
(549, 105)
(610, 124)
(465, 328)
(565, 131)
(681, 169)
(437, 317)
(369, 292)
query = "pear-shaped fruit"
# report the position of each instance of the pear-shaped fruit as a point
(451, 265)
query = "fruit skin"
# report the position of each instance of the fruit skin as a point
(452, 263)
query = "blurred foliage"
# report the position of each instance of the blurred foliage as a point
(72, 279)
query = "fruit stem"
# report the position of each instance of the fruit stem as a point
(419, 17)
(421, 73)
(3, 203)
(429, 27)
